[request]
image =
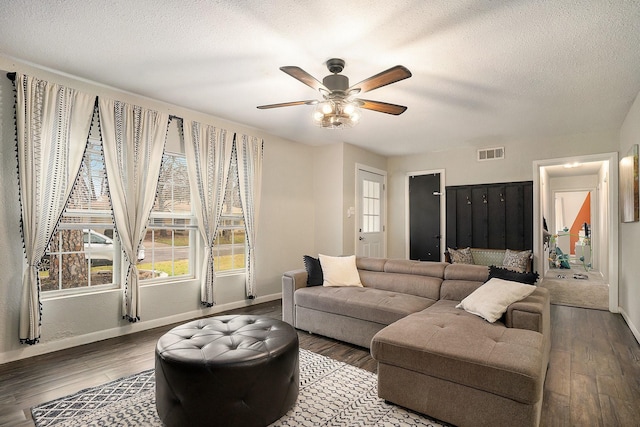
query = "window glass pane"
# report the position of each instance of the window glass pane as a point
(166, 249)
(173, 194)
(231, 241)
(370, 206)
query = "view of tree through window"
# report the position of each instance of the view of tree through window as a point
(81, 253)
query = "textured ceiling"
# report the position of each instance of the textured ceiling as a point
(484, 72)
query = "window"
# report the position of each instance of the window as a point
(81, 254)
(172, 226)
(370, 206)
(84, 254)
(230, 248)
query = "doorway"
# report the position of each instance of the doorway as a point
(574, 221)
(554, 176)
(370, 212)
(425, 234)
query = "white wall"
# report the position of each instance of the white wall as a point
(335, 191)
(285, 233)
(327, 193)
(354, 155)
(461, 167)
(629, 255)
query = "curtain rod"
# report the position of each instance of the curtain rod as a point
(12, 77)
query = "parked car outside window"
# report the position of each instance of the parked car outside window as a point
(99, 247)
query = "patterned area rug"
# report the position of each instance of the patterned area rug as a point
(332, 393)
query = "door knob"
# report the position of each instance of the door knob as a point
(360, 238)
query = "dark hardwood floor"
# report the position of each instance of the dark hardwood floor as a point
(593, 377)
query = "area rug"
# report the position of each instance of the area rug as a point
(332, 393)
(565, 289)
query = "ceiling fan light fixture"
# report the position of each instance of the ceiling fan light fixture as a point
(327, 107)
(340, 108)
(336, 114)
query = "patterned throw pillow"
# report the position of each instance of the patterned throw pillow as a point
(314, 270)
(516, 261)
(461, 256)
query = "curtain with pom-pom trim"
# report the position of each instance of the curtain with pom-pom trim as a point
(249, 156)
(208, 152)
(133, 139)
(52, 123)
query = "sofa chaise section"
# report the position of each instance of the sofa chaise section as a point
(455, 366)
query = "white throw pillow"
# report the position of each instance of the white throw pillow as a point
(490, 301)
(339, 271)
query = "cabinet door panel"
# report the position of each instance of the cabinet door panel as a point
(496, 214)
(528, 216)
(452, 215)
(479, 229)
(514, 211)
(464, 218)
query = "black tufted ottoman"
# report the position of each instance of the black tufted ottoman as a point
(227, 371)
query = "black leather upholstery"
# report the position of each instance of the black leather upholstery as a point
(227, 371)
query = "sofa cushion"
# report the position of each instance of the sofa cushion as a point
(368, 304)
(457, 290)
(476, 273)
(490, 301)
(372, 264)
(411, 284)
(418, 268)
(453, 345)
(339, 271)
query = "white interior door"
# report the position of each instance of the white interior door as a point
(370, 214)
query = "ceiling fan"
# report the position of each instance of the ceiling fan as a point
(340, 107)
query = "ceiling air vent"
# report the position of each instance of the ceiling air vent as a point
(490, 154)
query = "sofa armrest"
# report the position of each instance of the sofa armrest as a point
(531, 313)
(291, 280)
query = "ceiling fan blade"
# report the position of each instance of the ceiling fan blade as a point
(381, 107)
(392, 75)
(289, 104)
(306, 78)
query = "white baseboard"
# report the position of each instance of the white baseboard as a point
(633, 328)
(49, 347)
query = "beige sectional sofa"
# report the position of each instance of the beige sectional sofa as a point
(432, 357)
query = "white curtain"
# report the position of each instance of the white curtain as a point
(208, 153)
(133, 139)
(52, 124)
(249, 157)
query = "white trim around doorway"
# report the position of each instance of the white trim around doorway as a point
(612, 181)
